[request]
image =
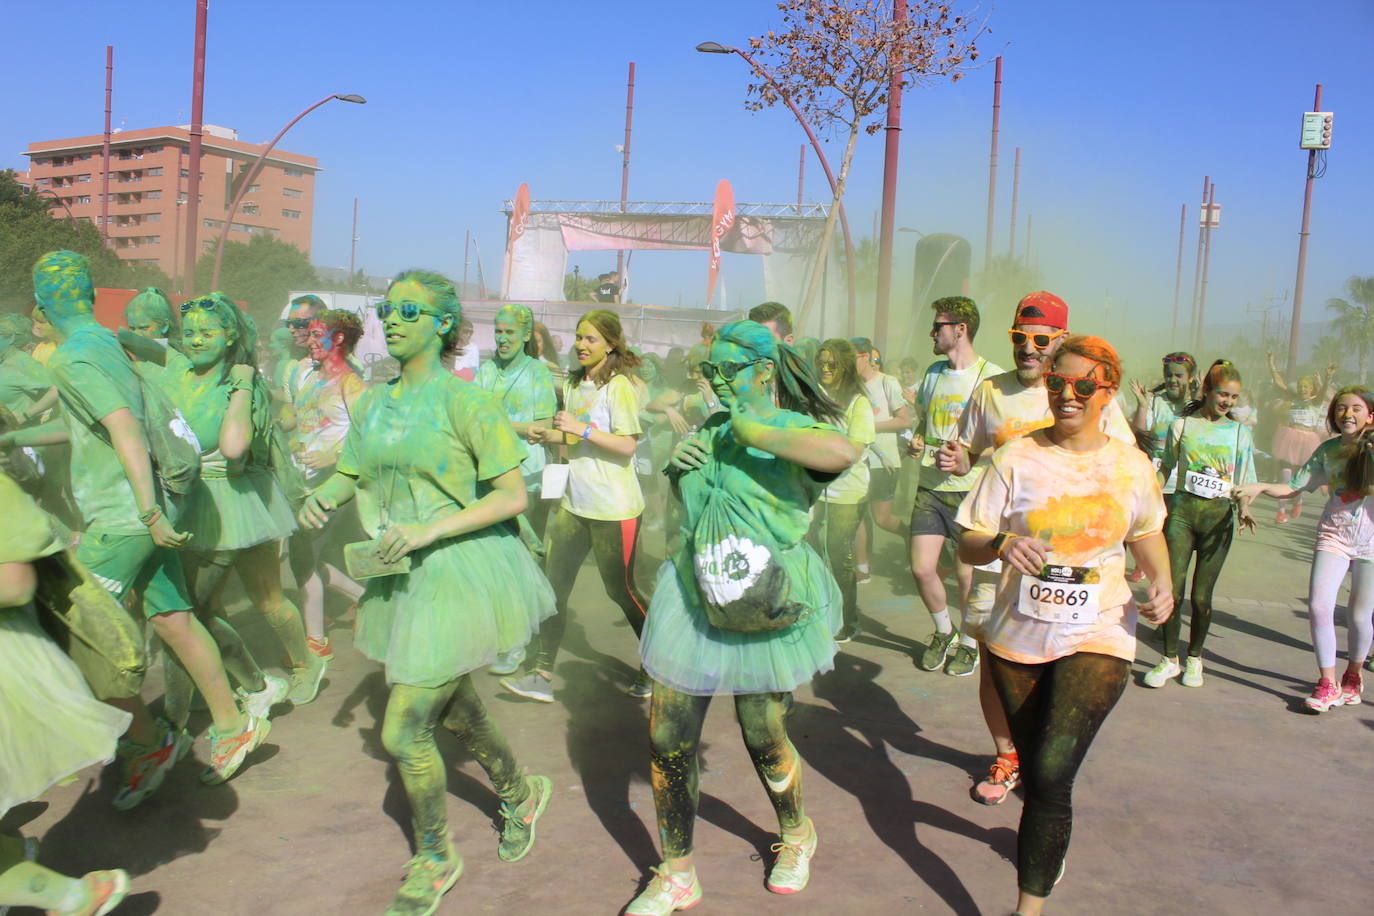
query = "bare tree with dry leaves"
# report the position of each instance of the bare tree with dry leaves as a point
(837, 61)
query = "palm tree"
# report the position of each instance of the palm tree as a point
(1355, 318)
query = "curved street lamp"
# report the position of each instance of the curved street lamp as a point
(57, 197)
(713, 47)
(253, 173)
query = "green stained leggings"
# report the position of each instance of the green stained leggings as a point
(832, 534)
(408, 736)
(675, 721)
(1201, 526)
(30, 884)
(1054, 710)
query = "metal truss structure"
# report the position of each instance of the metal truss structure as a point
(668, 208)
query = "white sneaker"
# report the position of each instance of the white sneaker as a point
(259, 704)
(862, 576)
(1160, 674)
(792, 870)
(1192, 672)
(507, 662)
(667, 892)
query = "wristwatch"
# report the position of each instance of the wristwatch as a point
(999, 541)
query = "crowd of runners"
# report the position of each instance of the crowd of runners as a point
(454, 503)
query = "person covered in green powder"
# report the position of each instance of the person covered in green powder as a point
(435, 466)
(27, 392)
(149, 315)
(603, 503)
(1206, 455)
(769, 456)
(50, 726)
(237, 515)
(842, 504)
(1157, 408)
(130, 540)
(23, 380)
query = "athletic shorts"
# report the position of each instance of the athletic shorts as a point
(124, 561)
(934, 512)
(882, 484)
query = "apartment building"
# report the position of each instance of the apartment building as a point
(148, 187)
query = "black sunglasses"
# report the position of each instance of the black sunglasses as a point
(1083, 386)
(299, 324)
(409, 311)
(727, 371)
(206, 304)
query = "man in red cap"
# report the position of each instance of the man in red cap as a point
(1002, 408)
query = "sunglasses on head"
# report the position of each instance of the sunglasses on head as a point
(409, 311)
(1084, 386)
(1187, 361)
(727, 371)
(1041, 341)
(206, 304)
(298, 324)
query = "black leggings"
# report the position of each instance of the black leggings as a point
(1201, 526)
(1054, 710)
(675, 721)
(567, 540)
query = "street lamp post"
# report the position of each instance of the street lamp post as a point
(712, 47)
(255, 170)
(58, 197)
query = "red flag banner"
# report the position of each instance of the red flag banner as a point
(722, 220)
(519, 217)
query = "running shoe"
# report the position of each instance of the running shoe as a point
(260, 703)
(792, 869)
(1192, 672)
(533, 686)
(940, 647)
(643, 686)
(227, 752)
(320, 648)
(145, 767)
(1162, 673)
(1003, 776)
(305, 681)
(1325, 696)
(847, 633)
(105, 890)
(963, 662)
(517, 827)
(1296, 512)
(507, 662)
(667, 892)
(1369, 663)
(427, 880)
(1281, 517)
(862, 575)
(1351, 685)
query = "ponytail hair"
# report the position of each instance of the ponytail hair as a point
(798, 389)
(1186, 359)
(1221, 372)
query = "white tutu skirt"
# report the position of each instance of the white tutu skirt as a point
(50, 725)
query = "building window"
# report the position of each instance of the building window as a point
(153, 172)
(153, 195)
(291, 214)
(83, 157)
(249, 209)
(84, 199)
(293, 173)
(292, 192)
(82, 179)
(40, 160)
(155, 149)
(186, 173)
(254, 188)
(152, 218)
(41, 182)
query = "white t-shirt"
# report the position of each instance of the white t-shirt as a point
(602, 485)
(885, 396)
(940, 400)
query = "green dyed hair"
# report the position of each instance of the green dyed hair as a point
(153, 302)
(16, 327)
(230, 318)
(445, 297)
(798, 389)
(961, 309)
(62, 283)
(309, 300)
(523, 317)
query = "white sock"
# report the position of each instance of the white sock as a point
(967, 641)
(862, 567)
(942, 621)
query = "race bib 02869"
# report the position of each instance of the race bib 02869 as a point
(1062, 594)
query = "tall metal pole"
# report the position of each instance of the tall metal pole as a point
(1030, 224)
(1295, 328)
(625, 167)
(188, 276)
(467, 246)
(801, 176)
(353, 241)
(1197, 266)
(105, 147)
(1178, 269)
(1015, 194)
(992, 162)
(893, 141)
(1206, 264)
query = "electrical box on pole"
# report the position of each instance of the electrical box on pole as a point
(1316, 130)
(1210, 216)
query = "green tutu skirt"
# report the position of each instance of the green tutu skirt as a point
(465, 600)
(234, 513)
(50, 725)
(683, 651)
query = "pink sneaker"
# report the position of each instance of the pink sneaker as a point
(1351, 685)
(1325, 696)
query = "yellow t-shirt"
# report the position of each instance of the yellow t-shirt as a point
(851, 487)
(1085, 506)
(602, 485)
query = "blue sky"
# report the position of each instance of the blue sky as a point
(1121, 108)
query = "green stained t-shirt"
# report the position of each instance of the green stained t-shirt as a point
(94, 378)
(425, 453)
(23, 380)
(1326, 468)
(1223, 449)
(203, 401)
(526, 394)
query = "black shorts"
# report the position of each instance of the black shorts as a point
(882, 484)
(934, 512)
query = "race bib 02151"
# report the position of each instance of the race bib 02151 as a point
(1208, 486)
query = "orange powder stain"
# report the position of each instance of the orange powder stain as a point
(1078, 525)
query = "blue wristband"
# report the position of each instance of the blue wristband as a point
(587, 431)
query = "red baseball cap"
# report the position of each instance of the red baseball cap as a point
(1043, 308)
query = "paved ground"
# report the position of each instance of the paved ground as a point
(1227, 799)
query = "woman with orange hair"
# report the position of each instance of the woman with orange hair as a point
(1060, 507)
